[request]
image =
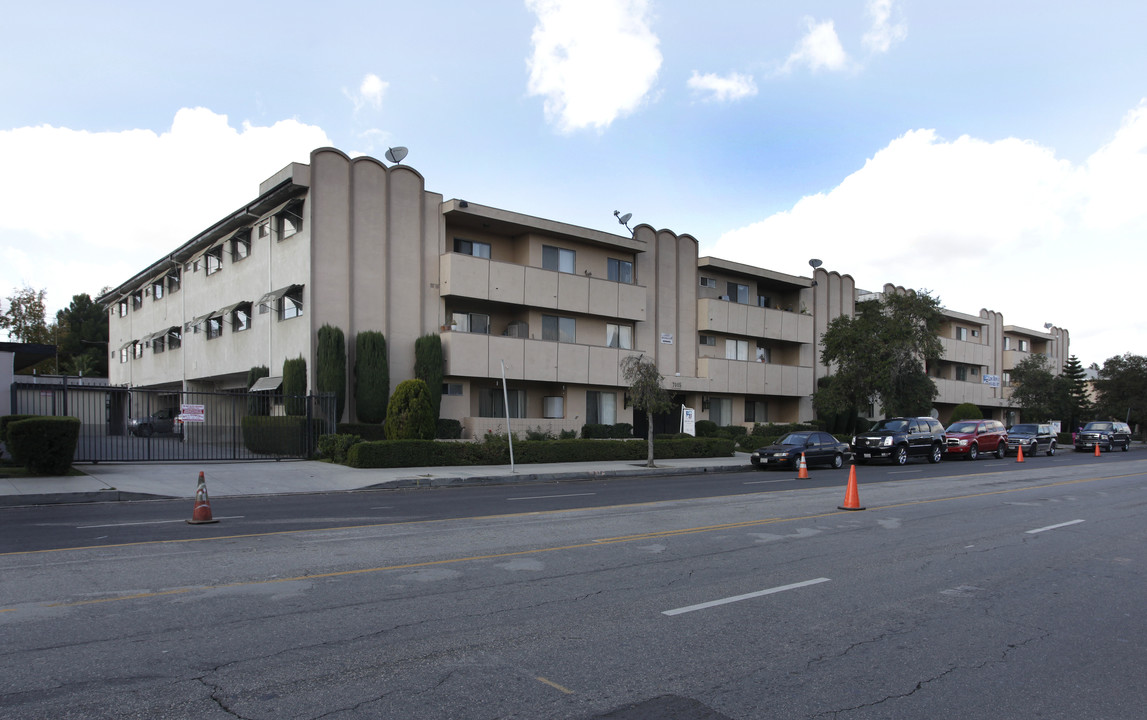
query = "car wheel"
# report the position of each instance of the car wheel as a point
(837, 461)
(973, 452)
(1001, 451)
(1051, 449)
(900, 456)
(1126, 445)
(146, 430)
(937, 454)
(1033, 449)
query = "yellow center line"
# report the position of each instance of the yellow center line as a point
(553, 684)
(534, 551)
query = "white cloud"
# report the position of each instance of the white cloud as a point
(370, 92)
(593, 60)
(882, 34)
(87, 209)
(819, 49)
(1004, 225)
(734, 86)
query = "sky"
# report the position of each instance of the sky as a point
(993, 154)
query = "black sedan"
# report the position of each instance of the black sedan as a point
(819, 448)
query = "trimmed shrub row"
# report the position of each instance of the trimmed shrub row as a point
(278, 435)
(618, 430)
(44, 445)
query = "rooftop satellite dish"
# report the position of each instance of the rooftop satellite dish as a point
(815, 263)
(396, 155)
(623, 219)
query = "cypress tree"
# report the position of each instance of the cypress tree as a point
(371, 376)
(295, 385)
(258, 404)
(330, 365)
(428, 367)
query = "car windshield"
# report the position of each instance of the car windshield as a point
(1098, 426)
(894, 425)
(794, 439)
(962, 427)
(1024, 428)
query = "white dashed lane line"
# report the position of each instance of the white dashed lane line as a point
(1054, 527)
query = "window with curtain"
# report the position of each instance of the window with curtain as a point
(600, 407)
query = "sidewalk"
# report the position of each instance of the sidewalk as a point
(146, 481)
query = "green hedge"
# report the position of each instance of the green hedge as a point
(46, 445)
(4, 423)
(618, 430)
(335, 447)
(366, 431)
(428, 453)
(279, 435)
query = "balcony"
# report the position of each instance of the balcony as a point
(967, 353)
(722, 316)
(481, 279)
(479, 355)
(977, 393)
(741, 377)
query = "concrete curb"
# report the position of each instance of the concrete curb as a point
(68, 498)
(523, 478)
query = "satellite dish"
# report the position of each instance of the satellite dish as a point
(815, 263)
(624, 219)
(396, 154)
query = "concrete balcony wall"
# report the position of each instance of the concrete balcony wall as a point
(753, 378)
(958, 391)
(722, 316)
(968, 353)
(480, 356)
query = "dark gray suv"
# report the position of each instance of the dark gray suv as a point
(899, 439)
(1032, 437)
(1107, 434)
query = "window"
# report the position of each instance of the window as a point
(264, 229)
(1006, 379)
(137, 349)
(289, 221)
(291, 304)
(560, 329)
(708, 340)
(241, 245)
(738, 293)
(123, 354)
(157, 345)
(123, 308)
(764, 301)
(1024, 346)
(736, 349)
(558, 259)
(764, 354)
(975, 333)
(620, 270)
(241, 318)
(961, 333)
(491, 403)
(961, 373)
(721, 411)
(619, 336)
(157, 289)
(600, 407)
(214, 259)
(174, 338)
(756, 411)
(214, 327)
(173, 279)
(1007, 343)
(553, 406)
(472, 323)
(707, 282)
(471, 247)
(452, 389)
(137, 300)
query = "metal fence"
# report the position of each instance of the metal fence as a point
(132, 425)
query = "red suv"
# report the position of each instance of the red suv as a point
(970, 438)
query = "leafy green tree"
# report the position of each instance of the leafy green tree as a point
(410, 415)
(1035, 389)
(258, 404)
(295, 386)
(83, 337)
(967, 411)
(23, 316)
(646, 394)
(879, 355)
(1077, 403)
(428, 367)
(1122, 389)
(371, 376)
(330, 365)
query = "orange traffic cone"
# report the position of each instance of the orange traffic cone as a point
(1019, 453)
(201, 514)
(852, 496)
(1097, 453)
(802, 469)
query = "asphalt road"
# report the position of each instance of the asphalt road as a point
(985, 589)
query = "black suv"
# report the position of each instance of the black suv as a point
(1107, 434)
(1032, 437)
(899, 439)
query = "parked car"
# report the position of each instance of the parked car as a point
(1032, 437)
(819, 448)
(900, 438)
(163, 422)
(1108, 435)
(971, 438)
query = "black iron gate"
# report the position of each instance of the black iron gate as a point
(132, 425)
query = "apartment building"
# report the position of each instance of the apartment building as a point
(552, 307)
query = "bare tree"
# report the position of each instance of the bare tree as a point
(645, 392)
